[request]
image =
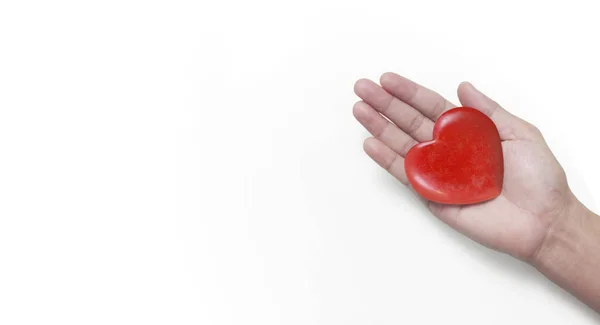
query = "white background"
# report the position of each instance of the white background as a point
(173, 162)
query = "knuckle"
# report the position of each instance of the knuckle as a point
(381, 131)
(438, 107)
(416, 122)
(413, 94)
(390, 165)
(407, 146)
(532, 130)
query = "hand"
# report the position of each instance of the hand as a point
(535, 193)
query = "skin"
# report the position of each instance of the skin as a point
(536, 216)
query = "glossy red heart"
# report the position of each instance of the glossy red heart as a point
(463, 164)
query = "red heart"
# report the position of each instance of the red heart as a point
(463, 164)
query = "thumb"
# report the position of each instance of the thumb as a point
(509, 126)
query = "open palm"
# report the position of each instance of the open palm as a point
(535, 190)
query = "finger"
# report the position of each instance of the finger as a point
(426, 101)
(403, 115)
(509, 126)
(382, 129)
(386, 158)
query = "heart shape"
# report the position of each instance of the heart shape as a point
(463, 164)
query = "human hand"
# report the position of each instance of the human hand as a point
(535, 193)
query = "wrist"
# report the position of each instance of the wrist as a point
(570, 253)
(562, 235)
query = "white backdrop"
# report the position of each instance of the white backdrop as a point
(185, 162)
